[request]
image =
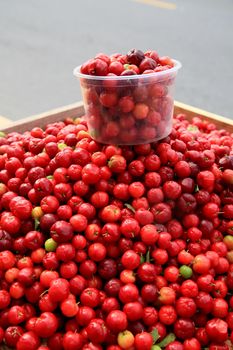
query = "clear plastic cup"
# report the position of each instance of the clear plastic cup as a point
(129, 110)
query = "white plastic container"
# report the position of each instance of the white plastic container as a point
(129, 110)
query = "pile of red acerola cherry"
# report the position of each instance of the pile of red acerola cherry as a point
(130, 101)
(107, 247)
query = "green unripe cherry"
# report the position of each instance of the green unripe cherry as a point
(186, 271)
(50, 245)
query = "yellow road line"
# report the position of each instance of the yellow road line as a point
(158, 3)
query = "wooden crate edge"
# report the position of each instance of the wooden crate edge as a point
(40, 120)
(76, 110)
(4, 121)
(190, 112)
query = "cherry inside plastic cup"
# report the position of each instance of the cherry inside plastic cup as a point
(129, 110)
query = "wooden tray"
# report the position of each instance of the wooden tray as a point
(77, 110)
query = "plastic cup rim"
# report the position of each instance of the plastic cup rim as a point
(167, 72)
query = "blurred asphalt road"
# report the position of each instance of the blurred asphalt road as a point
(42, 41)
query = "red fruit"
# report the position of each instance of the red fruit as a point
(206, 179)
(185, 307)
(136, 189)
(205, 282)
(210, 210)
(162, 213)
(65, 252)
(186, 203)
(7, 260)
(21, 207)
(59, 289)
(126, 104)
(184, 328)
(61, 231)
(128, 293)
(87, 268)
(117, 163)
(149, 234)
(171, 273)
(43, 186)
(85, 315)
(47, 277)
(99, 199)
(68, 269)
(135, 56)
(165, 60)
(69, 306)
(217, 330)
(33, 240)
(90, 297)
(72, 341)
(5, 240)
(46, 304)
(220, 308)
(167, 296)
(150, 316)
(16, 315)
(143, 340)
(133, 311)
(131, 71)
(46, 325)
(130, 228)
(174, 345)
(116, 67)
(136, 168)
(55, 341)
(204, 302)
(116, 321)
(144, 216)
(90, 174)
(12, 335)
(4, 299)
(78, 222)
(191, 343)
(147, 63)
(201, 264)
(130, 260)
(110, 213)
(10, 223)
(47, 221)
(110, 233)
(182, 169)
(95, 66)
(108, 99)
(146, 272)
(152, 54)
(29, 341)
(26, 276)
(97, 252)
(97, 331)
(121, 191)
(152, 179)
(227, 176)
(77, 284)
(140, 111)
(107, 268)
(172, 190)
(167, 314)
